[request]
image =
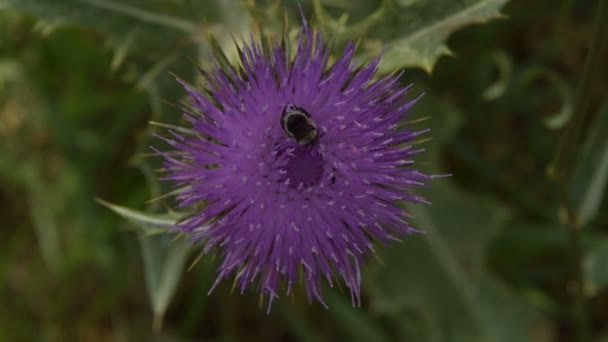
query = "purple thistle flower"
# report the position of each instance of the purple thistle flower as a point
(299, 165)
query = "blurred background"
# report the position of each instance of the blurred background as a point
(508, 255)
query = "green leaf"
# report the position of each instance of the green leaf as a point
(410, 33)
(439, 279)
(561, 167)
(356, 323)
(595, 267)
(299, 326)
(164, 260)
(43, 217)
(164, 256)
(150, 223)
(441, 276)
(156, 20)
(588, 184)
(160, 35)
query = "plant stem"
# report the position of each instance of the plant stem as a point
(577, 282)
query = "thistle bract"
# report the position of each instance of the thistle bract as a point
(296, 166)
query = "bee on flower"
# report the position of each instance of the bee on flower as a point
(300, 165)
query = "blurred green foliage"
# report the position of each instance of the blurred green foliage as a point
(81, 79)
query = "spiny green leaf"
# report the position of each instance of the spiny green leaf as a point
(159, 21)
(410, 33)
(160, 35)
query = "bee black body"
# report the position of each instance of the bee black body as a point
(298, 125)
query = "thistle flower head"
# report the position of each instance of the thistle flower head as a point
(296, 166)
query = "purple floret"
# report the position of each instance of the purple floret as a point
(280, 211)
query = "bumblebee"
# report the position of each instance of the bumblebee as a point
(298, 125)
